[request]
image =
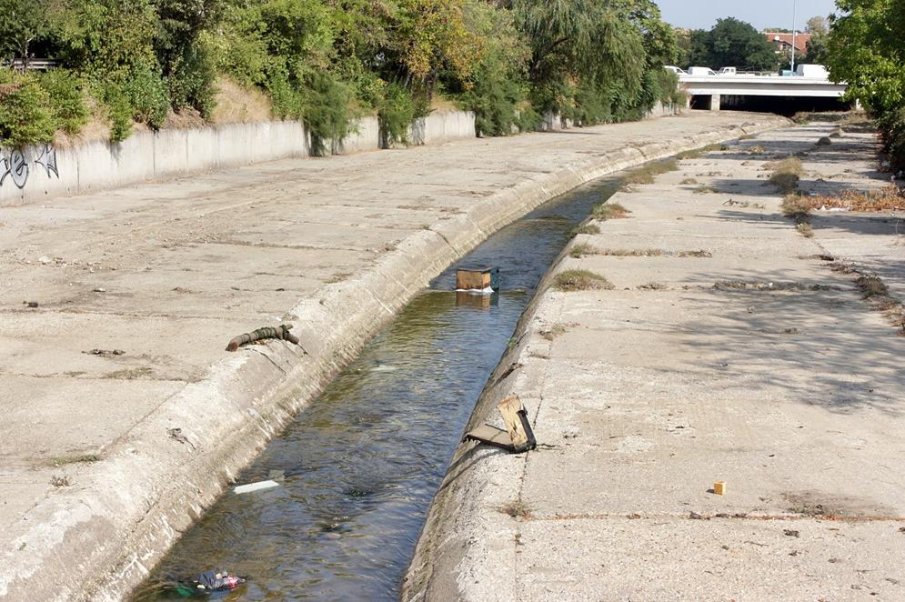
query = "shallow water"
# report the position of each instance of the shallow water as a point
(358, 467)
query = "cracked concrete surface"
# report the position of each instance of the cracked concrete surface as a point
(752, 363)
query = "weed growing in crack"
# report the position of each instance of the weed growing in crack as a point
(517, 509)
(581, 249)
(606, 211)
(581, 280)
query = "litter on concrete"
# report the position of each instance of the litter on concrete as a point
(267, 332)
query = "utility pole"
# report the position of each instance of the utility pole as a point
(793, 37)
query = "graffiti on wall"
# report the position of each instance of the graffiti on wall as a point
(14, 165)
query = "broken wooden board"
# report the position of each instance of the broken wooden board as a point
(517, 437)
(491, 435)
(516, 419)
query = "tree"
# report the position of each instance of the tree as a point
(699, 48)
(817, 26)
(736, 43)
(184, 60)
(580, 44)
(866, 49)
(22, 22)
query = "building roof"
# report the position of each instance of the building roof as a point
(785, 40)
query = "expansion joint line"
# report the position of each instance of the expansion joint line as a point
(523, 476)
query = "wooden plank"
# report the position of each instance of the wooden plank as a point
(491, 435)
(509, 409)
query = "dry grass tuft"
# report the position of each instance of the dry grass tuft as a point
(872, 285)
(704, 189)
(73, 459)
(786, 174)
(797, 207)
(240, 104)
(647, 173)
(698, 152)
(581, 280)
(517, 509)
(632, 252)
(553, 332)
(688, 182)
(652, 286)
(888, 198)
(60, 481)
(805, 229)
(606, 211)
(698, 253)
(586, 229)
(581, 249)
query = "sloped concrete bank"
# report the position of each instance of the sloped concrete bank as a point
(728, 347)
(97, 543)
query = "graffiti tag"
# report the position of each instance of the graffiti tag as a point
(15, 165)
(48, 160)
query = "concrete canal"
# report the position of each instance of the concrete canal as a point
(359, 466)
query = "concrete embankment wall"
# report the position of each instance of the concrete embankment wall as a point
(260, 392)
(42, 172)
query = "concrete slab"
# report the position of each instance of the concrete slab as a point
(754, 364)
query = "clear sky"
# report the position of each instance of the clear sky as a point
(702, 14)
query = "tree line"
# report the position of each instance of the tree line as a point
(866, 49)
(327, 62)
(735, 43)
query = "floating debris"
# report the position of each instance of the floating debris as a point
(252, 487)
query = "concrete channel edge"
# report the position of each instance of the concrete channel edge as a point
(99, 541)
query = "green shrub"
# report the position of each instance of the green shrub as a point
(191, 84)
(892, 130)
(25, 114)
(147, 96)
(325, 106)
(118, 108)
(396, 112)
(67, 102)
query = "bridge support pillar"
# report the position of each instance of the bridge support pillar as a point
(715, 102)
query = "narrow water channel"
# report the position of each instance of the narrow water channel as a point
(359, 466)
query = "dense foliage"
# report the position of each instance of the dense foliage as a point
(866, 49)
(327, 62)
(730, 43)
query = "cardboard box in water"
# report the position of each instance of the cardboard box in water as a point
(477, 278)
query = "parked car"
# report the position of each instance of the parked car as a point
(674, 69)
(701, 71)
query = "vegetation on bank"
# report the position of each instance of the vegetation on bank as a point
(327, 62)
(866, 48)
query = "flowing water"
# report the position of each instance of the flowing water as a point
(358, 467)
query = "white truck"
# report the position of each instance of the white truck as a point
(727, 71)
(812, 71)
(700, 71)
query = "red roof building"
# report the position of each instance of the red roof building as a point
(782, 42)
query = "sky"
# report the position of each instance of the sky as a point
(702, 14)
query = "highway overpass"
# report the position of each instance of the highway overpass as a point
(716, 91)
